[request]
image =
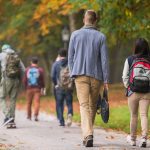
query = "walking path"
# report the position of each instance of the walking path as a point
(47, 135)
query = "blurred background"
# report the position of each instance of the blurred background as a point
(41, 27)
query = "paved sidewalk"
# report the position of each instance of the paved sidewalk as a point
(47, 135)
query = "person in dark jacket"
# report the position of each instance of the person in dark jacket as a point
(34, 84)
(60, 93)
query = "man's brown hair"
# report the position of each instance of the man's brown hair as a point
(91, 16)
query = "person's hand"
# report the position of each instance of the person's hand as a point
(43, 91)
(106, 86)
(56, 86)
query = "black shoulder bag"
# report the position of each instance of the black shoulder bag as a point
(103, 106)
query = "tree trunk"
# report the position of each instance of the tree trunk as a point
(72, 22)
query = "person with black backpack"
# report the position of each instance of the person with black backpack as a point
(12, 70)
(34, 84)
(63, 87)
(136, 79)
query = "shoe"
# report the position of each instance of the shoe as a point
(143, 142)
(36, 118)
(88, 141)
(131, 141)
(69, 120)
(29, 118)
(62, 124)
(11, 125)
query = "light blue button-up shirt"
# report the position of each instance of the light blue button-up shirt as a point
(88, 54)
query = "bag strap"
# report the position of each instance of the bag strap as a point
(130, 60)
(105, 94)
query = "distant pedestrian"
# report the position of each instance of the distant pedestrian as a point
(34, 84)
(12, 70)
(53, 86)
(136, 78)
(63, 87)
(88, 64)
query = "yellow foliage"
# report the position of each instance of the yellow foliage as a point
(17, 2)
(128, 13)
(48, 12)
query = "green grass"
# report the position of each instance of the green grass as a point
(119, 119)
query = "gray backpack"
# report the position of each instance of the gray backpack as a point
(65, 82)
(13, 66)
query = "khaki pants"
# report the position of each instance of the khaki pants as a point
(139, 101)
(33, 94)
(87, 92)
(9, 88)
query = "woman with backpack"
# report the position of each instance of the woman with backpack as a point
(136, 79)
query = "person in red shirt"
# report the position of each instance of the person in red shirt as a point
(34, 84)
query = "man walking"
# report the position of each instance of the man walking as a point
(88, 64)
(12, 70)
(63, 87)
(34, 84)
(53, 86)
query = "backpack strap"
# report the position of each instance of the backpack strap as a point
(130, 60)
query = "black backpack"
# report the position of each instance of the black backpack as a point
(139, 74)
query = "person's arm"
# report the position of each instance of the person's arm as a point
(53, 74)
(125, 74)
(71, 52)
(25, 78)
(104, 62)
(22, 69)
(42, 83)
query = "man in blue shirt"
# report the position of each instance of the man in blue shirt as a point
(88, 64)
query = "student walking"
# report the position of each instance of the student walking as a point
(136, 78)
(54, 90)
(34, 84)
(63, 87)
(12, 70)
(88, 64)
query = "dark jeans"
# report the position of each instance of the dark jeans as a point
(61, 96)
(54, 90)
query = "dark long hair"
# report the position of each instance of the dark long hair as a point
(142, 48)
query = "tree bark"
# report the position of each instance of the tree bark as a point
(72, 22)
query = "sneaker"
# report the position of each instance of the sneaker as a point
(11, 125)
(36, 118)
(131, 141)
(29, 118)
(143, 142)
(88, 141)
(69, 120)
(62, 125)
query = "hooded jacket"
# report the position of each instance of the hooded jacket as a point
(3, 60)
(55, 71)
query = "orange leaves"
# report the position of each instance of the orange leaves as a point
(48, 13)
(17, 2)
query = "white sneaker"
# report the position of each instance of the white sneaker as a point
(130, 141)
(69, 120)
(143, 142)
